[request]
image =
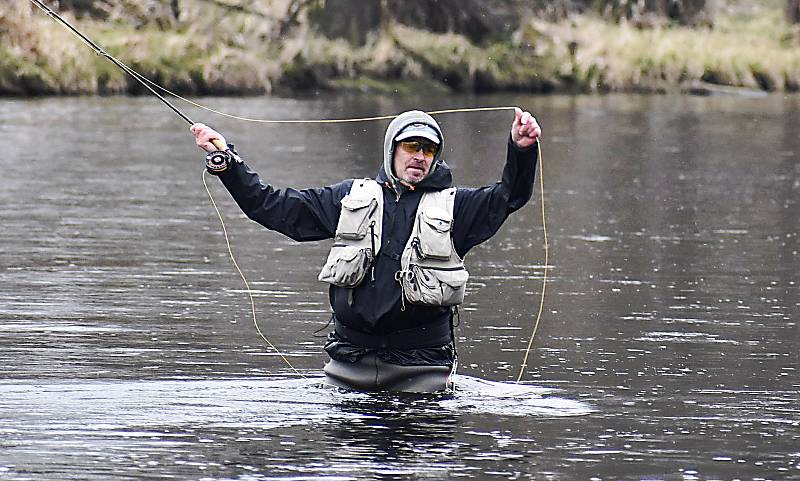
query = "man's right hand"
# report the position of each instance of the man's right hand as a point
(204, 137)
(525, 130)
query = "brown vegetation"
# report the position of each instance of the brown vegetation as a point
(257, 46)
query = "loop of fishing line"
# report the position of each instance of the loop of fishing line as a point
(301, 121)
(244, 279)
(546, 267)
(151, 86)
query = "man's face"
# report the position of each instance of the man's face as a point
(413, 158)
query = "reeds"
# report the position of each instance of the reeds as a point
(761, 52)
(247, 54)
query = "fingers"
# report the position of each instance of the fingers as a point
(524, 122)
(529, 125)
(205, 136)
(525, 130)
(535, 133)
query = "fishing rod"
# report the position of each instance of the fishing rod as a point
(216, 161)
(100, 51)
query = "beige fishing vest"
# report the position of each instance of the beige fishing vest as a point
(430, 273)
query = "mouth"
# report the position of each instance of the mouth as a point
(415, 173)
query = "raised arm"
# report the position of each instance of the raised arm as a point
(480, 212)
(303, 215)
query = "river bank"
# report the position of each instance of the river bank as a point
(256, 54)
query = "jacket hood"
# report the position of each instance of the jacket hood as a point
(439, 176)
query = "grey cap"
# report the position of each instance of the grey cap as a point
(418, 130)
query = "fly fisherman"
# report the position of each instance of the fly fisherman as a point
(395, 268)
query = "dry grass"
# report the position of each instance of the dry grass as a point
(37, 56)
(759, 52)
(247, 53)
(34, 56)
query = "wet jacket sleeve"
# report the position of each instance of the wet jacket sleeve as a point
(479, 212)
(303, 215)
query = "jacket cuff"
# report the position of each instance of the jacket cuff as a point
(232, 171)
(514, 146)
(234, 159)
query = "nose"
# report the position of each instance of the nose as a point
(419, 154)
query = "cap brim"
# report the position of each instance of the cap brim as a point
(417, 133)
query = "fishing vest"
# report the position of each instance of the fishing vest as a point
(431, 272)
(358, 235)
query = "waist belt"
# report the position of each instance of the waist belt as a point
(434, 335)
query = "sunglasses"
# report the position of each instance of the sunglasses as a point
(413, 146)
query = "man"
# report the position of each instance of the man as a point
(395, 268)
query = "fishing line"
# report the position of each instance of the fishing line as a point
(546, 266)
(99, 51)
(151, 86)
(244, 279)
(302, 121)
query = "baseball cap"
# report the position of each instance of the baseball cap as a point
(419, 130)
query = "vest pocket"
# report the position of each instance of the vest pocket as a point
(346, 266)
(354, 218)
(439, 287)
(433, 235)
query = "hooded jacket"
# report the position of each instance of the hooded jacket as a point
(374, 306)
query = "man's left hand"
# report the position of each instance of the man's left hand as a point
(525, 131)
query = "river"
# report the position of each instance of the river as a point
(667, 348)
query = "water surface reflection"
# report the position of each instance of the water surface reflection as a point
(669, 328)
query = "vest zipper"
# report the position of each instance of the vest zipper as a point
(374, 257)
(459, 268)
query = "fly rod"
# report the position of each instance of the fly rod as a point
(100, 51)
(132, 73)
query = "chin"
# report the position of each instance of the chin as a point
(415, 177)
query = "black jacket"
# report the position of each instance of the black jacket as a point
(375, 306)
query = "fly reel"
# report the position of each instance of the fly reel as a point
(218, 161)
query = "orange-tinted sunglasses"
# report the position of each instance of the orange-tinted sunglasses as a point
(413, 146)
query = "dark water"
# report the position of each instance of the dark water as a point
(668, 349)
